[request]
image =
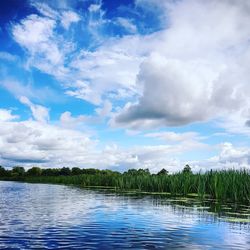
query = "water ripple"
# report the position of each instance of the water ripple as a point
(39, 216)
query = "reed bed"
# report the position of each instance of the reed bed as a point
(225, 185)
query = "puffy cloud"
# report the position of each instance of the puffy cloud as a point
(40, 113)
(105, 110)
(101, 113)
(229, 156)
(54, 145)
(40, 28)
(6, 115)
(108, 71)
(192, 75)
(33, 142)
(176, 76)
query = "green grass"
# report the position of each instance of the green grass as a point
(227, 185)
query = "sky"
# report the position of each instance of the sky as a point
(125, 84)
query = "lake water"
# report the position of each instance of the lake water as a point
(41, 216)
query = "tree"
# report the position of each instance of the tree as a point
(50, 172)
(34, 171)
(163, 172)
(143, 171)
(76, 171)
(2, 171)
(131, 172)
(65, 171)
(187, 169)
(91, 171)
(18, 171)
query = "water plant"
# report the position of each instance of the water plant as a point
(224, 185)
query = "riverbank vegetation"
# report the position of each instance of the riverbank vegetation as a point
(225, 185)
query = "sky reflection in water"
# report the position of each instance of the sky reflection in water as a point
(34, 216)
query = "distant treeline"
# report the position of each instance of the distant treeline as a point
(225, 185)
(36, 171)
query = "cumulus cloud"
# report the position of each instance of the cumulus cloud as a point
(110, 70)
(34, 142)
(229, 156)
(101, 113)
(6, 115)
(195, 69)
(176, 76)
(191, 75)
(31, 142)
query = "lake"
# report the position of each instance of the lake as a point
(41, 216)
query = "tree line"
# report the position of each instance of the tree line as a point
(18, 171)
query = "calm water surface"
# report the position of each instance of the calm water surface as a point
(40, 216)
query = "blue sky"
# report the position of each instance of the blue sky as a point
(125, 84)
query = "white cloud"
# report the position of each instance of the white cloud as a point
(34, 31)
(101, 113)
(40, 113)
(179, 75)
(94, 7)
(31, 142)
(127, 24)
(18, 89)
(112, 68)
(46, 50)
(66, 18)
(229, 156)
(45, 10)
(49, 145)
(173, 137)
(35, 142)
(8, 57)
(6, 115)
(198, 67)
(69, 17)
(105, 110)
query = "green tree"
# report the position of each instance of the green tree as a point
(162, 172)
(34, 171)
(50, 172)
(18, 171)
(76, 171)
(3, 172)
(187, 169)
(65, 171)
(143, 171)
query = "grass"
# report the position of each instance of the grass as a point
(226, 185)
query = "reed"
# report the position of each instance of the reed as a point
(225, 185)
